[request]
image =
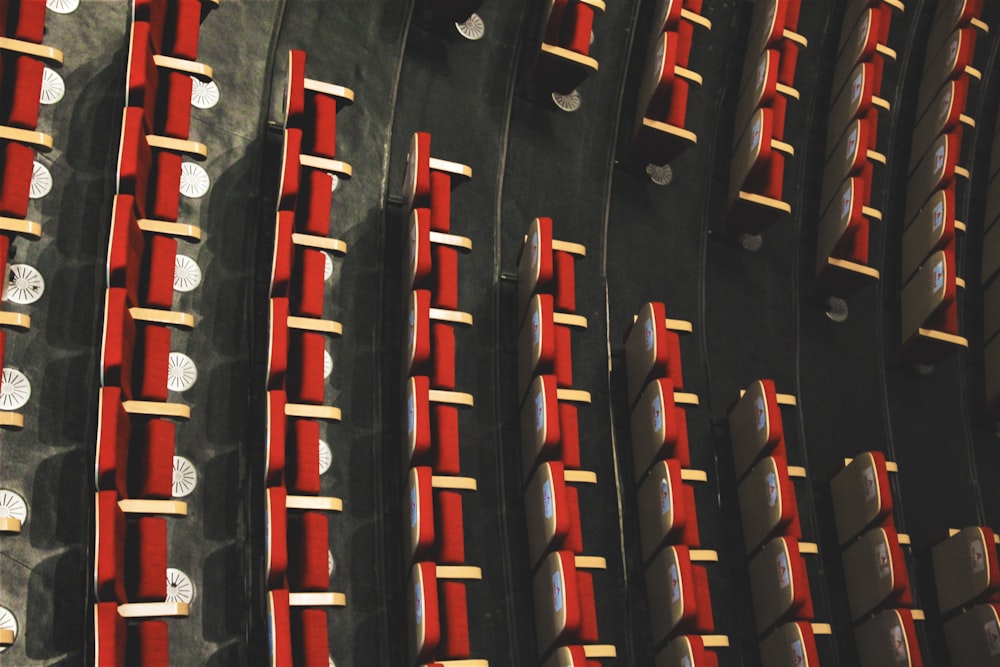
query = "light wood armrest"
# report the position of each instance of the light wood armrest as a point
(952, 532)
(881, 103)
(600, 651)
(871, 213)
(996, 538)
(959, 226)
(324, 412)
(885, 51)
(465, 662)
(26, 228)
(13, 421)
(951, 339)
(190, 233)
(6, 637)
(50, 55)
(875, 156)
(463, 243)
(895, 4)
(959, 282)
(16, 321)
(580, 476)
(569, 247)
(786, 399)
(9, 524)
(979, 25)
(590, 562)
(455, 316)
(680, 326)
(451, 397)
(891, 466)
(967, 120)
(336, 246)
(317, 600)
(39, 140)
(692, 475)
(822, 628)
(344, 95)
(974, 72)
(158, 409)
(598, 5)
(318, 503)
(918, 614)
(696, 19)
(961, 172)
(685, 398)
(328, 327)
(787, 91)
(573, 395)
(783, 147)
(688, 75)
(453, 483)
(454, 168)
(153, 609)
(458, 572)
(170, 318)
(810, 548)
(797, 472)
(342, 169)
(198, 70)
(715, 641)
(703, 555)
(578, 321)
(192, 149)
(847, 461)
(145, 506)
(795, 38)
(903, 539)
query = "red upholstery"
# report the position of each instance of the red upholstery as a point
(288, 189)
(444, 291)
(109, 547)
(113, 432)
(110, 636)
(569, 441)
(802, 606)
(437, 437)
(675, 441)
(279, 628)
(149, 644)
(143, 265)
(574, 533)
(302, 474)
(667, 355)
(276, 536)
(563, 366)
(580, 605)
(275, 436)
(146, 560)
(135, 361)
(174, 25)
(442, 356)
(308, 283)
(445, 428)
(588, 608)
(320, 129)
(945, 318)
(422, 168)
(308, 543)
(776, 442)
(281, 260)
(164, 95)
(152, 176)
(15, 178)
(305, 382)
(155, 351)
(23, 19)
(697, 618)
(310, 643)
(565, 282)
(277, 355)
(20, 90)
(161, 254)
(576, 28)
(450, 529)
(454, 621)
(295, 95)
(901, 595)
(312, 210)
(151, 464)
(440, 201)
(427, 598)
(546, 262)
(685, 530)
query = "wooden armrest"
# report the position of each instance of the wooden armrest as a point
(822, 628)
(6, 637)
(465, 662)
(336, 246)
(192, 149)
(328, 327)
(952, 532)
(318, 503)
(451, 397)
(9, 524)
(566, 319)
(943, 337)
(577, 59)
(875, 156)
(600, 651)
(590, 562)
(697, 19)
(881, 103)
(453, 168)
(703, 555)
(573, 395)
(153, 609)
(198, 70)
(344, 95)
(580, 476)
(895, 4)
(979, 25)
(572, 248)
(715, 641)
(681, 326)
(458, 572)
(189, 233)
(885, 51)
(341, 169)
(783, 147)
(158, 409)
(688, 75)
(871, 213)
(918, 614)
(903, 539)
(455, 316)
(686, 398)
(785, 399)
(810, 548)
(463, 243)
(692, 475)
(967, 120)
(959, 282)
(795, 38)
(26, 228)
(891, 466)
(13, 421)
(797, 472)
(317, 600)
(170, 318)
(961, 172)
(50, 55)
(324, 412)
(39, 140)
(787, 91)
(16, 321)
(453, 483)
(974, 72)
(598, 5)
(145, 506)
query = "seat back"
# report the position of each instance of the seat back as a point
(755, 426)
(779, 584)
(861, 495)
(974, 635)
(889, 638)
(659, 428)
(790, 645)
(666, 509)
(875, 572)
(768, 505)
(965, 568)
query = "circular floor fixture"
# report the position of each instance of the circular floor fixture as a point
(334, 182)
(7, 622)
(41, 181)
(187, 274)
(204, 94)
(836, 309)
(194, 180)
(325, 456)
(184, 478)
(660, 174)
(751, 242)
(327, 266)
(25, 284)
(472, 28)
(62, 6)
(327, 364)
(53, 87)
(179, 586)
(181, 372)
(591, 37)
(331, 661)
(15, 389)
(329, 563)
(570, 102)
(12, 506)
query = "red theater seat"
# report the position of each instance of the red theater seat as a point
(552, 510)
(16, 160)
(550, 429)
(134, 354)
(117, 644)
(429, 181)
(130, 559)
(23, 19)
(435, 525)
(565, 607)
(134, 460)
(308, 543)
(311, 106)
(175, 24)
(779, 584)
(678, 595)
(439, 621)
(21, 87)
(310, 642)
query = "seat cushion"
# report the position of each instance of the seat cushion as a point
(443, 356)
(302, 473)
(151, 465)
(152, 372)
(305, 367)
(310, 643)
(146, 560)
(308, 284)
(159, 279)
(449, 532)
(312, 211)
(111, 529)
(445, 428)
(320, 127)
(15, 178)
(114, 430)
(149, 644)
(308, 543)
(454, 621)
(111, 635)
(21, 88)
(440, 201)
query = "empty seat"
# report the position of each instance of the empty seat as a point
(779, 584)
(296, 546)
(974, 636)
(952, 61)
(667, 512)
(429, 341)
(936, 171)
(438, 618)
(691, 651)
(858, 98)
(434, 523)
(23, 19)
(756, 176)
(118, 643)
(16, 160)
(550, 429)
(861, 495)
(791, 645)
(842, 241)
(854, 155)
(576, 656)
(890, 638)
(929, 309)
(966, 570)
(547, 266)
(563, 59)
(659, 426)
(21, 84)
(678, 594)
(755, 425)
(875, 573)
(544, 343)
(866, 41)
(312, 106)
(565, 607)
(175, 25)
(947, 114)
(431, 261)
(431, 417)
(774, 25)
(766, 91)
(297, 635)
(552, 510)
(653, 349)
(429, 181)
(286, 276)
(933, 229)
(290, 432)
(768, 505)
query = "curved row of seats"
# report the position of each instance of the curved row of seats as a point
(757, 166)
(677, 588)
(842, 262)
(136, 422)
(566, 610)
(772, 531)
(563, 61)
(935, 181)
(661, 132)
(434, 555)
(296, 517)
